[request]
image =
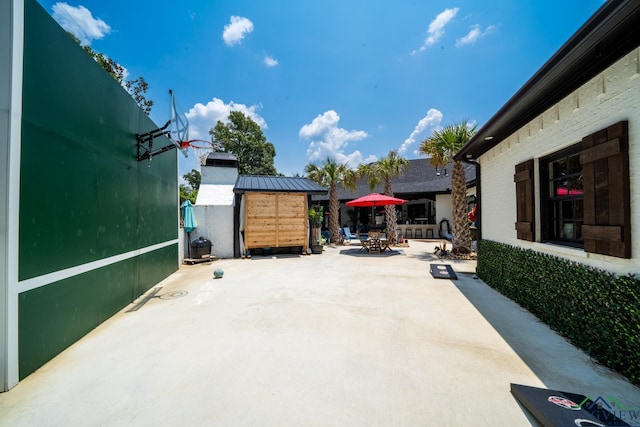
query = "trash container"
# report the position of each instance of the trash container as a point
(201, 248)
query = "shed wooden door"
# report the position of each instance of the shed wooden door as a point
(275, 220)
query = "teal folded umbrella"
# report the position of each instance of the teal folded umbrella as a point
(188, 218)
(188, 222)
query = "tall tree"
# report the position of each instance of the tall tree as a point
(382, 171)
(189, 191)
(137, 88)
(441, 147)
(193, 178)
(244, 138)
(332, 174)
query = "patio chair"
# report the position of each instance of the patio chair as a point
(348, 235)
(364, 242)
(374, 242)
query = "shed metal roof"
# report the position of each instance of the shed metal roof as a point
(246, 183)
(612, 32)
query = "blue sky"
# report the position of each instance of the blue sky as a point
(347, 79)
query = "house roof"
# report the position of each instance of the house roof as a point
(246, 183)
(418, 180)
(612, 32)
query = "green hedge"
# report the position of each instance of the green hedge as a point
(597, 311)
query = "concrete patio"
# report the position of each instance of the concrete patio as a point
(338, 339)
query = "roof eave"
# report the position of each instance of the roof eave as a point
(608, 35)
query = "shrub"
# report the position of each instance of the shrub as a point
(597, 311)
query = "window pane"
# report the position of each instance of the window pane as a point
(578, 206)
(567, 230)
(567, 210)
(559, 168)
(561, 188)
(574, 165)
(557, 229)
(576, 185)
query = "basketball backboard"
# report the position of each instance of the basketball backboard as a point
(176, 129)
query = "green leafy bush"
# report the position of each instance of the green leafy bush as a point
(597, 311)
(316, 215)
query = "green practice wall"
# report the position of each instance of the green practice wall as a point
(83, 195)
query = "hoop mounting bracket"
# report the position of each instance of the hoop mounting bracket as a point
(145, 142)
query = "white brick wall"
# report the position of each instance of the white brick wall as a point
(610, 97)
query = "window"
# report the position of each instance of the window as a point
(562, 197)
(584, 194)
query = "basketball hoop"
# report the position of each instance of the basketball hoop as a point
(201, 147)
(176, 129)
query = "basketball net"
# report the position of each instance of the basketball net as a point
(201, 148)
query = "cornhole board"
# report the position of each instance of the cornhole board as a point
(443, 271)
(553, 408)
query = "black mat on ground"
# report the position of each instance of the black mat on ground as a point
(553, 408)
(443, 271)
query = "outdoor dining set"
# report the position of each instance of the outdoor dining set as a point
(371, 242)
(374, 241)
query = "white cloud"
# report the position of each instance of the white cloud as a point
(125, 74)
(80, 22)
(431, 121)
(329, 140)
(236, 29)
(436, 28)
(204, 117)
(474, 34)
(270, 62)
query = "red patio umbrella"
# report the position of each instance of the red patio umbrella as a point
(375, 199)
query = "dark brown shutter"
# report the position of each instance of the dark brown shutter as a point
(525, 225)
(605, 166)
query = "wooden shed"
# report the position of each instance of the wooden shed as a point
(272, 211)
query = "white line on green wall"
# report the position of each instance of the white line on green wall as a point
(56, 276)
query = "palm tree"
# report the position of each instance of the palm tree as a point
(332, 174)
(441, 147)
(382, 171)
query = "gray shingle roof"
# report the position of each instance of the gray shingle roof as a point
(418, 180)
(246, 183)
